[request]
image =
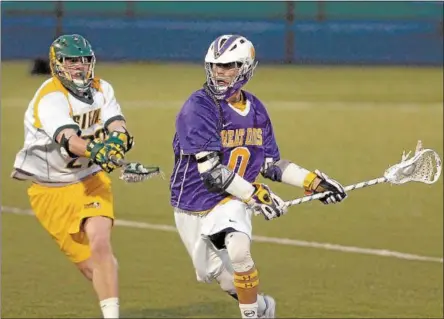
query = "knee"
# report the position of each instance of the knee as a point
(98, 230)
(238, 248)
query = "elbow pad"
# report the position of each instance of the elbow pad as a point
(215, 176)
(218, 179)
(64, 143)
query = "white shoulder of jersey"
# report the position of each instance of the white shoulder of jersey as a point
(53, 98)
(54, 112)
(52, 90)
(49, 109)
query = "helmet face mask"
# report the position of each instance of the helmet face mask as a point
(229, 65)
(223, 75)
(78, 70)
(72, 61)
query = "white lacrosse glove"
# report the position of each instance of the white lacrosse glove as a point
(264, 201)
(321, 183)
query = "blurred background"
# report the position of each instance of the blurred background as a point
(348, 86)
(319, 32)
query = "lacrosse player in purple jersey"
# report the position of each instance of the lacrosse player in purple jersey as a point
(224, 139)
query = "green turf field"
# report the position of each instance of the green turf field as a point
(349, 122)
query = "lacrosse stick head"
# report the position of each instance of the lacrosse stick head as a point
(425, 166)
(136, 172)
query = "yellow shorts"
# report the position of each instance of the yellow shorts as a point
(62, 210)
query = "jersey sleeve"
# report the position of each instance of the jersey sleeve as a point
(53, 112)
(111, 111)
(196, 127)
(271, 147)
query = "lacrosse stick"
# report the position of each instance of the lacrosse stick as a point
(424, 167)
(133, 172)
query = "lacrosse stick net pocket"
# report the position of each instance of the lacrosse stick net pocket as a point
(424, 166)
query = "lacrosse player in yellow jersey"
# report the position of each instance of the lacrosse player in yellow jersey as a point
(67, 158)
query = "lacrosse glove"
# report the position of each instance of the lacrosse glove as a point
(319, 182)
(264, 201)
(124, 139)
(104, 154)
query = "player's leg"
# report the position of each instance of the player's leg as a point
(208, 253)
(94, 227)
(104, 266)
(266, 304)
(246, 276)
(231, 222)
(206, 262)
(62, 211)
(188, 227)
(226, 283)
(50, 208)
(86, 268)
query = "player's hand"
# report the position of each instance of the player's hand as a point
(322, 183)
(124, 139)
(102, 153)
(264, 201)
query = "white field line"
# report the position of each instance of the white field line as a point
(278, 105)
(263, 239)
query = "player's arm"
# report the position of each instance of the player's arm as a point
(69, 138)
(53, 117)
(100, 152)
(114, 121)
(285, 171)
(312, 182)
(218, 178)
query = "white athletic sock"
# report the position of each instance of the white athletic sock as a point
(248, 310)
(110, 307)
(261, 305)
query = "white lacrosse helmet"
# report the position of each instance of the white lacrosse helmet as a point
(230, 49)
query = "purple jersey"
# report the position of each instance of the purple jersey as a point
(244, 138)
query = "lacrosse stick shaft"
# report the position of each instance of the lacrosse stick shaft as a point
(347, 189)
(118, 161)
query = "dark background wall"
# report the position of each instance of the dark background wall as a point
(407, 33)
